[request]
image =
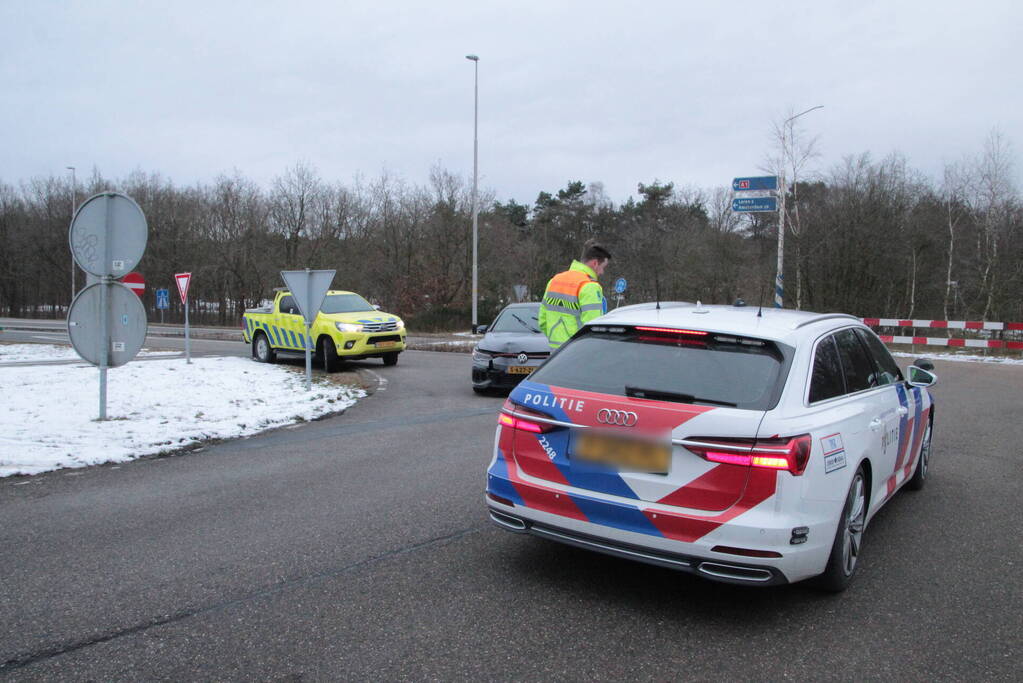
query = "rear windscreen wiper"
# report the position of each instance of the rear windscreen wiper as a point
(658, 395)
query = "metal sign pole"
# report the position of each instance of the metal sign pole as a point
(188, 347)
(308, 341)
(308, 359)
(104, 313)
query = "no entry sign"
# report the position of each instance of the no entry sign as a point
(135, 282)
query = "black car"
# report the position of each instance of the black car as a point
(512, 347)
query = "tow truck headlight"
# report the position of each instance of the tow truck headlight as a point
(348, 327)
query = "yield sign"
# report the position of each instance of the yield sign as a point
(135, 282)
(182, 279)
(308, 287)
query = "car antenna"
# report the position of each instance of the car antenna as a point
(657, 287)
(760, 308)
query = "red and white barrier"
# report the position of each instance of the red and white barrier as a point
(947, 325)
(941, 341)
(942, 324)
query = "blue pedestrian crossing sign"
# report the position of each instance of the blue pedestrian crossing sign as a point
(620, 285)
(163, 299)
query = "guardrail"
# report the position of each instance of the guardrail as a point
(972, 326)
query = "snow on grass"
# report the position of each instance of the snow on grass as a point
(18, 353)
(48, 414)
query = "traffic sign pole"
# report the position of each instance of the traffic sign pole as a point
(183, 280)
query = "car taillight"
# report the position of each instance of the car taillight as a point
(790, 453)
(523, 423)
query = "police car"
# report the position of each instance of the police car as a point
(747, 446)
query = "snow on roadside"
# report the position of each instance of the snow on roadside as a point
(18, 353)
(961, 357)
(48, 417)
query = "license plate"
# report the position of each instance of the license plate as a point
(386, 343)
(637, 455)
(519, 370)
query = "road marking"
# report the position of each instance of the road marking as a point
(381, 382)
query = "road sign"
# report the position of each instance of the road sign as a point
(308, 287)
(182, 280)
(620, 285)
(162, 299)
(751, 204)
(126, 322)
(135, 282)
(108, 235)
(769, 182)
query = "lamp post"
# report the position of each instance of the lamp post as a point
(475, 182)
(74, 205)
(779, 280)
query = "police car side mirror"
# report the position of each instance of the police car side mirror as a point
(918, 377)
(480, 329)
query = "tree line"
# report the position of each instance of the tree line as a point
(867, 237)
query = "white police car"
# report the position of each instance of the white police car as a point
(747, 446)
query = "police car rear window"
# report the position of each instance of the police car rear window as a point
(710, 369)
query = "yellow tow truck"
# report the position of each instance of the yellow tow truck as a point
(347, 328)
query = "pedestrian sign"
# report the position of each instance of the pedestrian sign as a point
(620, 285)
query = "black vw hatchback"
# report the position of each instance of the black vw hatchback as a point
(511, 349)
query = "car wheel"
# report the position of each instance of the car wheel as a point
(922, 463)
(845, 551)
(262, 350)
(325, 349)
(391, 358)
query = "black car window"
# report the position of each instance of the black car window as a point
(522, 319)
(860, 372)
(710, 370)
(288, 305)
(887, 370)
(826, 381)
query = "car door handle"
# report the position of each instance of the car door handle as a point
(876, 424)
(903, 410)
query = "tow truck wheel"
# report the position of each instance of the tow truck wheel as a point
(325, 350)
(262, 350)
(391, 358)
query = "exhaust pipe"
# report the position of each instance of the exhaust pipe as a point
(507, 521)
(727, 571)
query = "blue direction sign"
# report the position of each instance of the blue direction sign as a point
(749, 204)
(163, 299)
(620, 285)
(767, 182)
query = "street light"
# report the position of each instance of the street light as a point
(74, 202)
(779, 280)
(475, 181)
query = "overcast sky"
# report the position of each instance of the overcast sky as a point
(616, 92)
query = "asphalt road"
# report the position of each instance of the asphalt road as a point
(357, 547)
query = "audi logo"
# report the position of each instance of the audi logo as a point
(620, 418)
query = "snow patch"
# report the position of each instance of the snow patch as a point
(48, 418)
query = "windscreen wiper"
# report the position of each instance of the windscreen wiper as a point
(658, 395)
(525, 324)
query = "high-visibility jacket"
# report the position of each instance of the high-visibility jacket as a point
(572, 298)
